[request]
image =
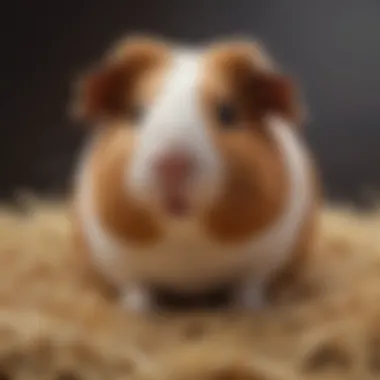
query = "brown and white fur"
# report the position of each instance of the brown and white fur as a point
(250, 199)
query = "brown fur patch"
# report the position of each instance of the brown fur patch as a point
(255, 190)
(120, 213)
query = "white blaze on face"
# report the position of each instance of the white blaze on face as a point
(175, 123)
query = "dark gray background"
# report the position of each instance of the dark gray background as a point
(331, 46)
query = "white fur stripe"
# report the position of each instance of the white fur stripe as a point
(274, 247)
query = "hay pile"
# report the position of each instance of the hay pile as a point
(55, 326)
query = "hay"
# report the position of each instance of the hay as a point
(53, 325)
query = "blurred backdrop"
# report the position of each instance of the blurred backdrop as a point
(331, 46)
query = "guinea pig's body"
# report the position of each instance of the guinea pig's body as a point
(196, 175)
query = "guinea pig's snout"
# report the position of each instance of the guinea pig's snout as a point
(173, 172)
(173, 169)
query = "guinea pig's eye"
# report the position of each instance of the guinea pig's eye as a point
(136, 112)
(227, 115)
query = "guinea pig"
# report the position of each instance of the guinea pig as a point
(195, 172)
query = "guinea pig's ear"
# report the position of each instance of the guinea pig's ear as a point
(99, 94)
(105, 91)
(272, 93)
(262, 89)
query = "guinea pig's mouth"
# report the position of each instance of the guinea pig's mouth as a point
(176, 205)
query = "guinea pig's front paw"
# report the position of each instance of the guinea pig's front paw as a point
(136, 299)
(251, 298)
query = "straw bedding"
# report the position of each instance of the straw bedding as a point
(54, 325)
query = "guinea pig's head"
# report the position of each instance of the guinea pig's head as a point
(195, 118)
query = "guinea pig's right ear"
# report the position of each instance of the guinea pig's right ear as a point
(104, 91)
(99, 93)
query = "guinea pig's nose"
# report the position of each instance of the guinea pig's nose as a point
(173, 168)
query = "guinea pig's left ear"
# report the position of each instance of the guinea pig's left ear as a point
(262, 88)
